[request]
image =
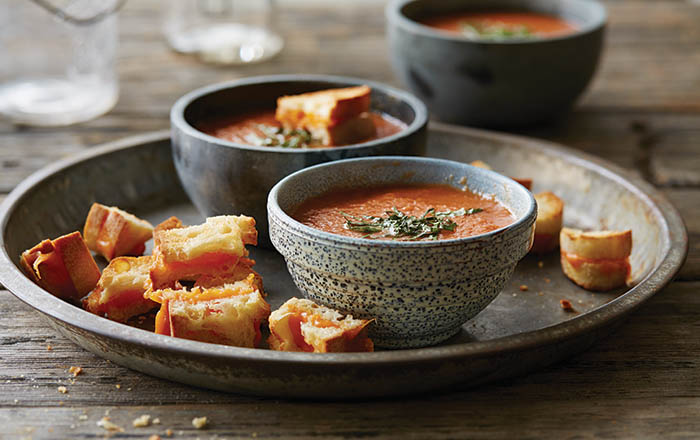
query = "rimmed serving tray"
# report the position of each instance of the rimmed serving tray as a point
(519, 332)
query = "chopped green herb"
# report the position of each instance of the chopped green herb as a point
(495, 31)
(398, 225)
(271, 136)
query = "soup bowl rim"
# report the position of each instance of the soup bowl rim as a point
(178, 120)
(396, 17)
(276, 213)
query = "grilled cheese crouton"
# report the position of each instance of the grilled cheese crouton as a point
(334, 117)
(230, 314)
(596, 260)
(302, 325)
(186, 253)
(240, 271)
(111, 232)
(63, 266)
(119, 293)
(550, 211)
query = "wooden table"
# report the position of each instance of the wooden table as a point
(642, 112)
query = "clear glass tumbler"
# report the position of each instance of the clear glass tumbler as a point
(223, 31)
(57, 60)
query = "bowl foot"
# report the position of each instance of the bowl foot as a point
(398, 342)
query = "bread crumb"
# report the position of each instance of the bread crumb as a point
(169, 432)
(547, 280)
(156, 421)
(62, 389)
(540, 293)
(154, 437)
(105, 424)
(142, 421)
(61, 403)
(75, 371)
(83, 417)
(515, 294)
(118, 386)
(128, 389)
(199, 422)
(49, 348)
(540, 264)
(566, 305)
(523, 288)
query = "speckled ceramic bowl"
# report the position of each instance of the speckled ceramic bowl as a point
(420, 293)
(503, 83)
(223, 177)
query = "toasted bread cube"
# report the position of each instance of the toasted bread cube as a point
(119, 293)
(169, 223)
(230, 314)
(302, 325)
(240, 271)
(480, 164)
(550, 211)
(597, 260)
(111, 232)
(63, 266)
(334, 117)
(351, 131)
(527, 183)
(212, 248)
(325, 107)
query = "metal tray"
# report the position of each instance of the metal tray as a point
(519, 332)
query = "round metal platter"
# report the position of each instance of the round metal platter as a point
(519, 332)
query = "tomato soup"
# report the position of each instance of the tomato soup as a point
(398, 212)
(256, 127)
(500, 24)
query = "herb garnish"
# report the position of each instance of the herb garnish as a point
(399, 225)
(281, 137)
(495, 31)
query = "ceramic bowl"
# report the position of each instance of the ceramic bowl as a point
(223, 177)
(495, 83)
(420, 293)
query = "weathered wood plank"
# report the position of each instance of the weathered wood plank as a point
(639, 382)
(688, 203)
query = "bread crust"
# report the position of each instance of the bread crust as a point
(119, 295)
(112, 232)
(597, 260)
(596, 244)
(302, 325)
(550, 212)
(334, 116)
(230, 314)
(213, 248)
(63, 266)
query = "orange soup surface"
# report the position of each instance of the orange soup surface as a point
(330, 212)
(500, 25)
(249, 128)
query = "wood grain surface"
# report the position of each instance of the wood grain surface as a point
(642, 112)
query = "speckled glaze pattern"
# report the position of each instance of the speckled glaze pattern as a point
(419, 293)
(223, 177)
(502, 83)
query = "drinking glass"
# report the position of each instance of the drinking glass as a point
(58, 60)
(223, 31)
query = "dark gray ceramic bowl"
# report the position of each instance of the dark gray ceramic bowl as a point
(223, 177)
(495, 83)
(419, 292)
